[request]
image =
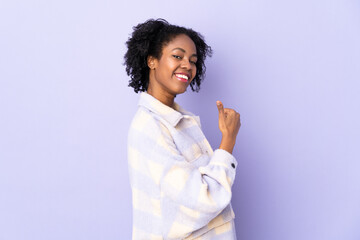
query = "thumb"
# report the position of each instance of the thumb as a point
(220, 108)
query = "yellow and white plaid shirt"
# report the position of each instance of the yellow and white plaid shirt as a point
(181, 188)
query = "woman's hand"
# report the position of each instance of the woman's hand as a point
(229, 125)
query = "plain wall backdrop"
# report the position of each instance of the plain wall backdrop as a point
(291, 68)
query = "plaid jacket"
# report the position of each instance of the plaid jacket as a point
(181, 188)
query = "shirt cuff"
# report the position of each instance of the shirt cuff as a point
(224, 157)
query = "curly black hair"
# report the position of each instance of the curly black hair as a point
(148, 39)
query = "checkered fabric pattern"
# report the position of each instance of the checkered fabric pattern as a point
(181, 188)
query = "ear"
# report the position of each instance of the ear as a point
(151, 62)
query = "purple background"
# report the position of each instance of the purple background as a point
(291, 68)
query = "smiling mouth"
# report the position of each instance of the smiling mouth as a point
(182, 77)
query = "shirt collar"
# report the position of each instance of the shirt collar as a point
(172, 116)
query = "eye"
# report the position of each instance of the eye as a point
(193, 60)
(176, 56)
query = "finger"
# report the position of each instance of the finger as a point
(222, 114)
(220, 107)
(229, 109)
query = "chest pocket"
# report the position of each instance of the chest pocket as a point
(189, 148)
(189, 139)
(192, 153)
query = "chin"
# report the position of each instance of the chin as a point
(180, 91)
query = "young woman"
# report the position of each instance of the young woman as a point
(181, 188)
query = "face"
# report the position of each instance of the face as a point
(176, 68)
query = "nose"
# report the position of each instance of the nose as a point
(186, 64)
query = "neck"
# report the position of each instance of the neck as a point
(161, 95)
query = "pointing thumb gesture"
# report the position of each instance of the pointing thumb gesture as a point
(222, 115)
(229, 125)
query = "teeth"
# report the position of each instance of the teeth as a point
(182, 76)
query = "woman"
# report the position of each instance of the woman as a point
(181, 188)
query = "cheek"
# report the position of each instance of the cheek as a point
(194, 71)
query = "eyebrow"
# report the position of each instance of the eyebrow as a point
(194, 55)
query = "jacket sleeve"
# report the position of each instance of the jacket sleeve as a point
(192, 193)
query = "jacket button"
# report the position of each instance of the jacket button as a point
(233, 165)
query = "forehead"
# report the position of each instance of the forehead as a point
(181, 41)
